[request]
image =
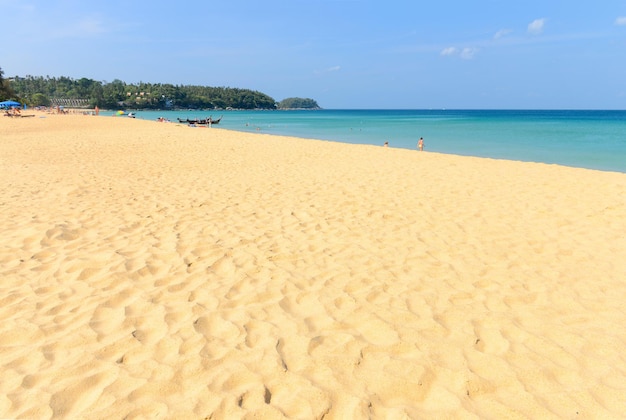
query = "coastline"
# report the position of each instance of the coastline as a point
(585, 139)
(151, 269)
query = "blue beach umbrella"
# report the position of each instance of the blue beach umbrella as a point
(9, 104)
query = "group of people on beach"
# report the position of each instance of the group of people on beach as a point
(420, 144)
(12, 112)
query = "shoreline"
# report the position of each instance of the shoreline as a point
(593, 145)
(156, 270)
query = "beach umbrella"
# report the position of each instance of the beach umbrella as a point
(9, 104)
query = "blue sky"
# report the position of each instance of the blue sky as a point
(539, 54)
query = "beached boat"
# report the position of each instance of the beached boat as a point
(206, 121)
(217, 121)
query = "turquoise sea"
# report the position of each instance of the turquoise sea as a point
(586, 139)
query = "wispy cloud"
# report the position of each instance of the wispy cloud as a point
(470, 49)
(449, 51)
(621, 21)
(502, 33)
(536, 26)
(466, 53)
(328, 70)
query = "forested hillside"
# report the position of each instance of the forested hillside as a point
(35, 91)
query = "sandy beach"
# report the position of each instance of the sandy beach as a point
(153, 270)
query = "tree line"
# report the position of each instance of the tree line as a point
(50, 91)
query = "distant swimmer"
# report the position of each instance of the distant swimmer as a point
(420, 144)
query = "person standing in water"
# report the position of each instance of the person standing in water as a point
(420, 144)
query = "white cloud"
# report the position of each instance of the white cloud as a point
(502, 33)
(536, 26)
(334, 68)
(621, 21)
(468, 53)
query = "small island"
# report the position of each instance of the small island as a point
(298, 103)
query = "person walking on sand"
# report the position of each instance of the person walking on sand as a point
(420, 144)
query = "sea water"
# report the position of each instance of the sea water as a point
(586, 139)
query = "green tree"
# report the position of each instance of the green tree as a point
(39, 99)
(96, 97)
(113, 93)
(83, 87)
(6, 92)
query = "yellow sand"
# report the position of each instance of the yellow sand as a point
(151, 270)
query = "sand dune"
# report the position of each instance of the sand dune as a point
(151, 270)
